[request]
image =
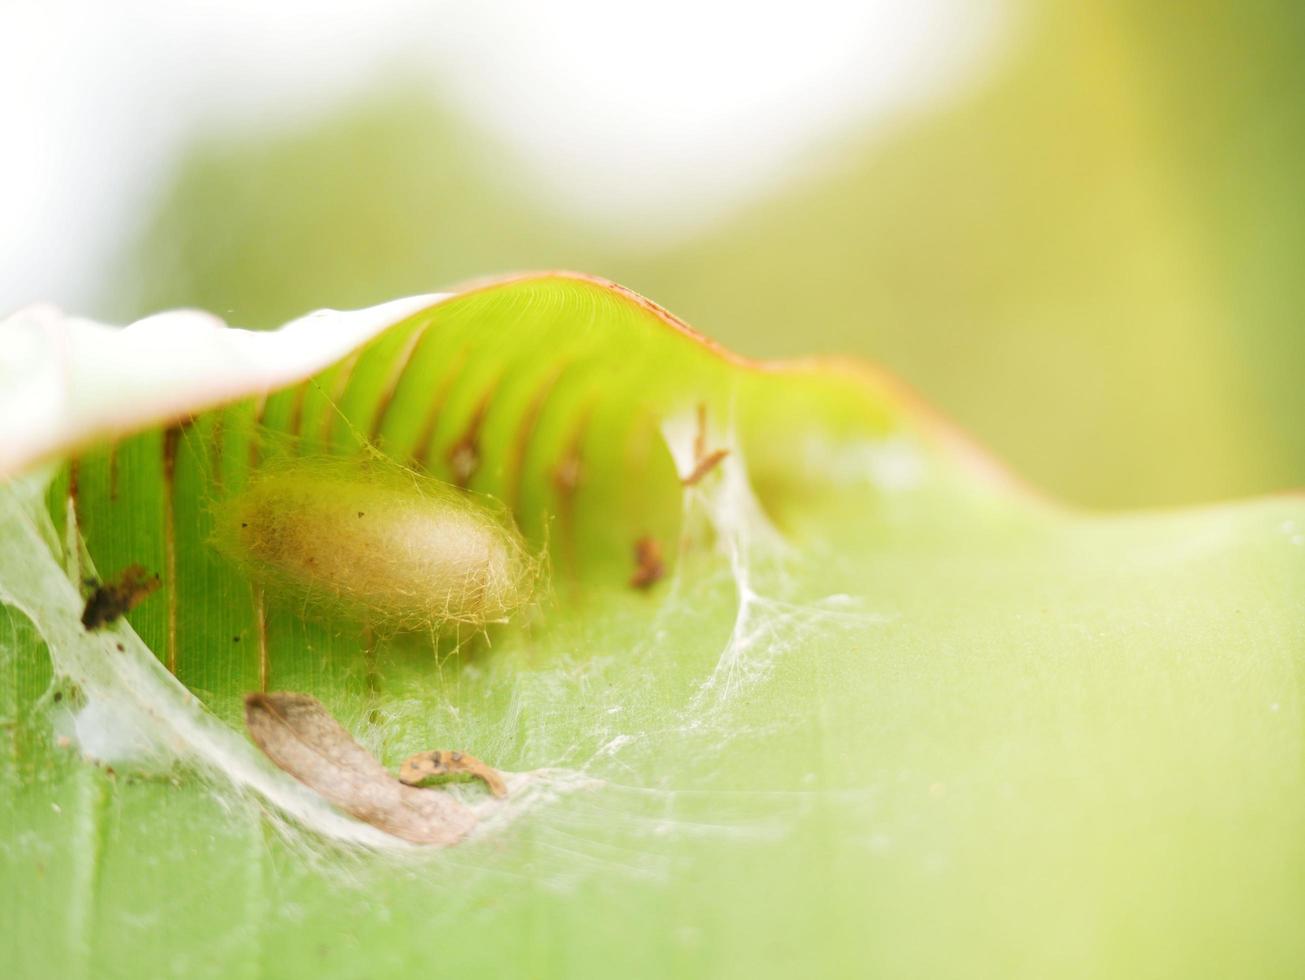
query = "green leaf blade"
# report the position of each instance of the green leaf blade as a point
(886, 717)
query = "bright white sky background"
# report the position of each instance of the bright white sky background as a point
(716, 101)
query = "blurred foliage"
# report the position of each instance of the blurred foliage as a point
(1090, 259)
(389, 197)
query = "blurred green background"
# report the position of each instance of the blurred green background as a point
(1091, 258)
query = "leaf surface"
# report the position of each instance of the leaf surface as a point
(885, 714)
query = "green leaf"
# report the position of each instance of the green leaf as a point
(887, 714)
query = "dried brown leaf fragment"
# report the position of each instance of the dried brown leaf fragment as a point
(297, 733)
(443, 762)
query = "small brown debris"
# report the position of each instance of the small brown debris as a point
(703, 462)
(118, 597)
(648, 565)
(442, 762)
(297, 733)
(700, 435)
(704, 466)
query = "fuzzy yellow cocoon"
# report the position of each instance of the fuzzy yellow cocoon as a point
(377, 543)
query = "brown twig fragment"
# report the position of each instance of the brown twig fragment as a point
(648, 565)
(118, 597)
(703, 462)
(297, 733)
(443, 762)
(700, 434)
(704, 466)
